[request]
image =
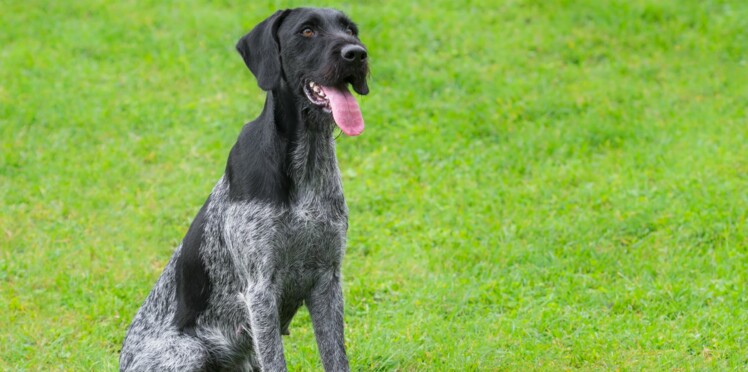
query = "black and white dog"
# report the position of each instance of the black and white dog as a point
(272, 234)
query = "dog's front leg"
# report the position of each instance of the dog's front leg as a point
(325, 304)
(265, 325)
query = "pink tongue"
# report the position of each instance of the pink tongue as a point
(345, 110)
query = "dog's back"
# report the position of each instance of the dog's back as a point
(155, 340)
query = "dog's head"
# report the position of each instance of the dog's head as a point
(316, 54)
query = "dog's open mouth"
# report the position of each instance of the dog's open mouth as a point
(340, 102)
(317, 96)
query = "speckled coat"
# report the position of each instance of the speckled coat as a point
(271, 236)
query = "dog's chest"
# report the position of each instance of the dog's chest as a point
(314, 243)
(317, 217)
(316, 228)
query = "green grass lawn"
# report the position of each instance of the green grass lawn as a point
(542, 185)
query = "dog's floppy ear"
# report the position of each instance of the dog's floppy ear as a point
(261, 51)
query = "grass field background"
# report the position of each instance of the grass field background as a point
(541, 185)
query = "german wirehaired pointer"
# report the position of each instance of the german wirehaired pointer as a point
(272, 234)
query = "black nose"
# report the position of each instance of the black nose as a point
(353, 53)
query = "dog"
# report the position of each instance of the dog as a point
(271, 236)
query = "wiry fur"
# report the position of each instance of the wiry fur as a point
(271, 236)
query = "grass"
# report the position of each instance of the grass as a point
(542, 185)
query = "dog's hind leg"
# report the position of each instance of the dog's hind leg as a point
(171, 352)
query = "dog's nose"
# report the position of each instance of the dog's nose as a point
(353, 53)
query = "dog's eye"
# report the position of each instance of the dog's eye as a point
(349, 31)
(307, 32)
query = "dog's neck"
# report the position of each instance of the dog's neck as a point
(286, 115)
(312, 165)
(287, 153)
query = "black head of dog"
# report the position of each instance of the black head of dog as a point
(312, 54)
